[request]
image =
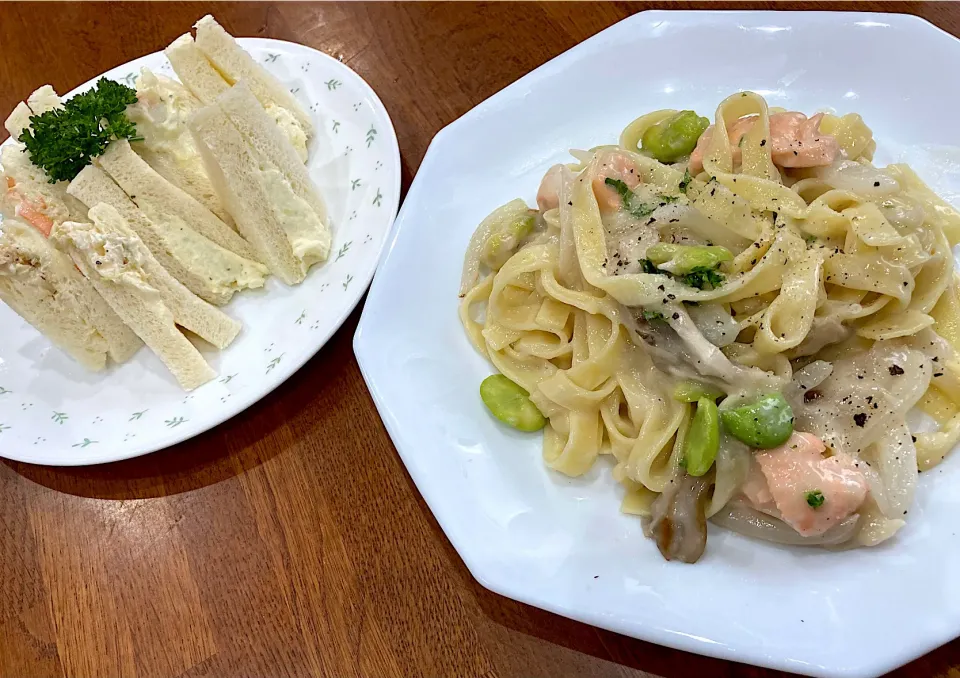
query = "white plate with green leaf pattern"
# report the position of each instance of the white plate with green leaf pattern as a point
(53, 411)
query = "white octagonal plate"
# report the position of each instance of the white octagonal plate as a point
(561, 544)
(52, 411)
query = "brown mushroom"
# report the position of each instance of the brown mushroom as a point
(678, 521)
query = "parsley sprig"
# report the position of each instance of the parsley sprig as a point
(65, 140)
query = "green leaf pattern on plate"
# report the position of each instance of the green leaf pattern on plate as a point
(273, 363)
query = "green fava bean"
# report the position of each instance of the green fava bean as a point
(703, 438)
(764, 423)
(682, 259)
(676, 136)
(690, 391)
(509, 403)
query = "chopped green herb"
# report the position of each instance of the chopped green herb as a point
(640, 211)
(702, 278)
(810, 238)
(650, 316)
(669, 198)
(647, 266)
(685, 182)
(815, 498)
(65, 140)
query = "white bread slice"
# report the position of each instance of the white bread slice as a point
(189, 310)
(193, 69)
(155, 195)
(112, 262)
(44, 99)
(43, 286)
(18, 120)
(234, 64)
(235, 174)
(160, 112)
(211, 272)
(264, 136)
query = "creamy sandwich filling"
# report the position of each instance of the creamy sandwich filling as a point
(290, 127)
(306, 232)
(225, 270)
(115, 257)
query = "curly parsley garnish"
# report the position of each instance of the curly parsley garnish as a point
(814, 498)
(65, 140)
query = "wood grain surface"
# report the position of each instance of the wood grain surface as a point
(290, 541)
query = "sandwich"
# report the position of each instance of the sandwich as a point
(37, 281)
(208, 270)
(160, 114)
(43, 287)
(158, 199)
(262, 185)
(25, 189)
(109, 253)
(215, 62)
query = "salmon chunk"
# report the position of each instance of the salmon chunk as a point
(795, 141)
(811, 493)
(617, 166)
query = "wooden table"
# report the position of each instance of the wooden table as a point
(290, 540)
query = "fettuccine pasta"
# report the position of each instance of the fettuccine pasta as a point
(739, 313)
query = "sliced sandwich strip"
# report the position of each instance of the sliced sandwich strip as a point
(234, 64)
(189, 310)
(112, 262)
(193, 69)
(257, 129)
(236, 176)
(208, 270)
(160, 116)
(43, 286)
(293, 198)
(156, 196)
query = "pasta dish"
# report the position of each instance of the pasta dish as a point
(741, 313)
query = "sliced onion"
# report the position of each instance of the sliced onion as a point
(743, 519)
(863, 179)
